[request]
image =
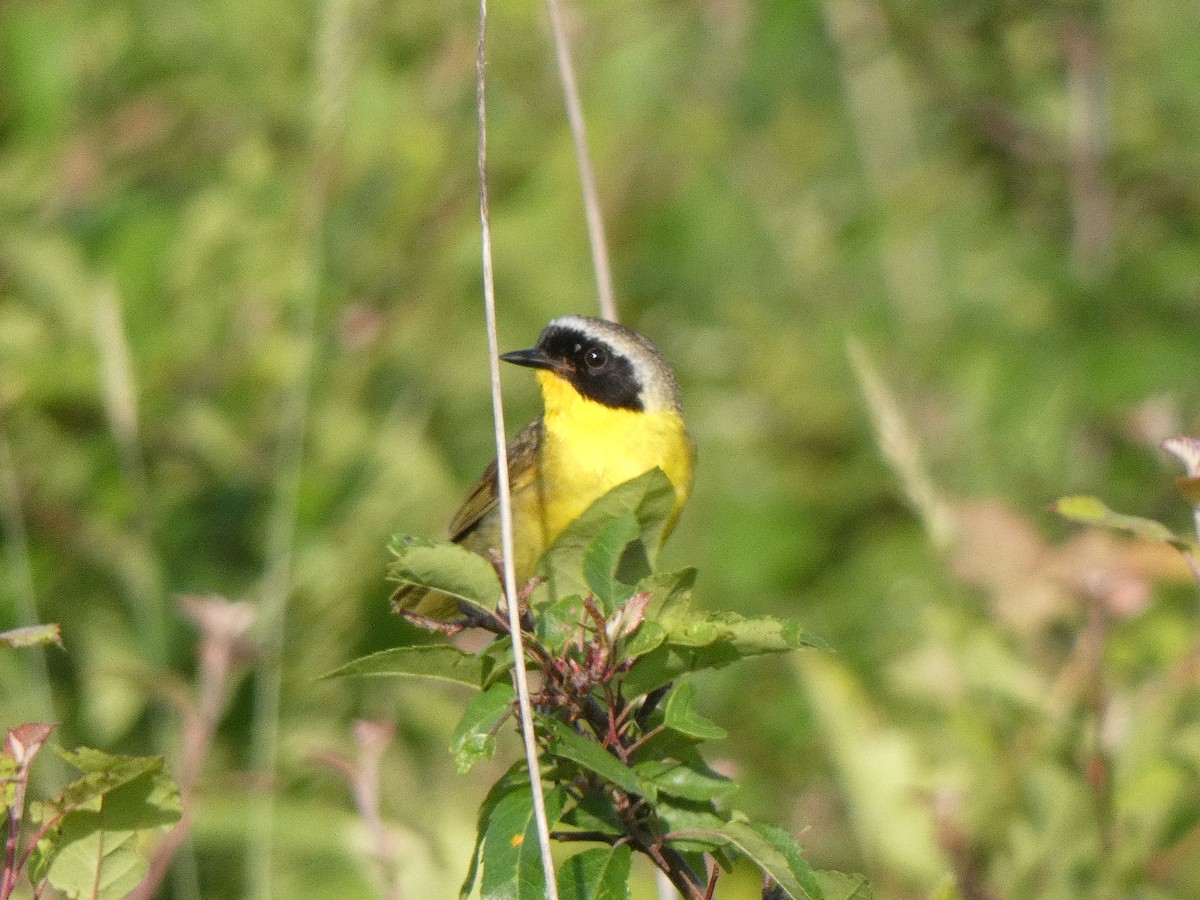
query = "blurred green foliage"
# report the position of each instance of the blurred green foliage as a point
(201, 201)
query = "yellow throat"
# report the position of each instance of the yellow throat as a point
(589, 448)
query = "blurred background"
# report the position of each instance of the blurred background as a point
(241, 344)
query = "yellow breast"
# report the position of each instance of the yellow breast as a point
(589, 448)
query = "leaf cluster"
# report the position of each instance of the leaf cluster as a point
(93, 839)
(613, 642)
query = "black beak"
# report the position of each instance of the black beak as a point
(535, 358)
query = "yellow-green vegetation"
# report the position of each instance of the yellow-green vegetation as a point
(241, 347)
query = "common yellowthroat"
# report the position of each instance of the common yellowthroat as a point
(612, 413)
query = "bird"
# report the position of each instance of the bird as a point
(611, 412)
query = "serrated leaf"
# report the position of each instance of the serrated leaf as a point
(749, 635)
(649, 499)
(593, 812)
(677, 814)
(680, 714)
(649, 636)
(1093, 511)
(103, 773)
(779, 855)
(512, 780)
(664, 743)
(691, 781)
(445, 567)
(440, 662)
(570, 744)
(558, 622)
(512, 860)
(500, 651)
(710, 641)
(97, 864)
(474, 737)
(602, 557)
(601, 873)
(667, 590)
(106, 825)
(667, 662)
(32, 636)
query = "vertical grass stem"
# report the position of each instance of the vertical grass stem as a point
(506, 528)
(587, 176)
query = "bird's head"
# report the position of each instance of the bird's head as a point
(604, 362)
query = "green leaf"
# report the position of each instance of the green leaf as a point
(649, 636)
(514, 779)
(602, 557)
(102, 773)
(749, 636)
(106, 824)
(649, 499)
(474, 738)
(92, 861)
(691, 781)
(779, 855)
(664, 743)
(840, 886)
(710, 641)
(594, 812)
(500, 652)
(666, 591)
(677, 814)
(570, 744)
(669, 589)
(445, 567)
(680, 715)
(32, 636)
(601, 873)
(512, 860)
(558, 622)
(1092, 511)
(441, 662)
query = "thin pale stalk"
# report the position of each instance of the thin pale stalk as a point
(333, 54)
(147, 596)
(372, 739)
(16, 545)
(901, 449)
(666, 890)
(583, 156)
(223, 628)
(505, 502)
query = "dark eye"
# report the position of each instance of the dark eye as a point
(595, 358)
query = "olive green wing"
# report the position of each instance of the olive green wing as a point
(482, 501)
(475, 522)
